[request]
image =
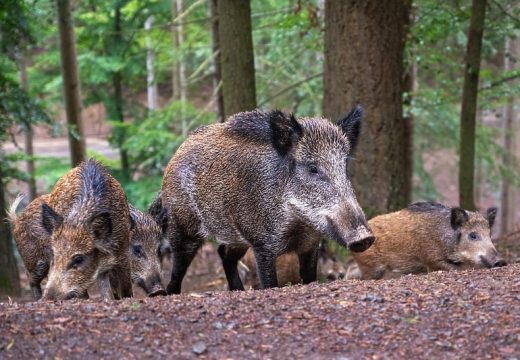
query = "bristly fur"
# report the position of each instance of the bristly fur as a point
(427, 206)
(93, 180)
(256, 125)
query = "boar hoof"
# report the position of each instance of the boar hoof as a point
(361, 245)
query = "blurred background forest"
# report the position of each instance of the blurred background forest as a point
(126, 80)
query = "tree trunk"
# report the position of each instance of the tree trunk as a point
(175, 42)
(182, 72)
(28, 132)
(469, 106)
(409, 83)
(9, 277)
(117, 82)
(71, 86)
(507, 195)
(364, 46)
(217, 75)
(236, 56)
(150, 63)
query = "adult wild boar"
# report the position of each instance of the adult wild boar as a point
(79, 233)
(429, 236)
(33, 242)
(268, 181)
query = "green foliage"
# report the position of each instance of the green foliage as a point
(437, 44)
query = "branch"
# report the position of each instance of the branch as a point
(284, 90)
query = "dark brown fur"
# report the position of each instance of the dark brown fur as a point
(428, 237)
(261, 180)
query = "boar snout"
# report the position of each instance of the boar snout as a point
(152, 287)
(356, 238)
(494, 262)
(157, 290)
(361, 240)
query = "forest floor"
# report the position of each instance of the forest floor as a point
(467, 314)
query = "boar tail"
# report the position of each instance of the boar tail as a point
(11, 212)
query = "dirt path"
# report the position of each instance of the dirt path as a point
(474, 314)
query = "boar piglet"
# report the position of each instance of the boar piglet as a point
(429, 236)
(77, 235)
(146, 240)
(268, 181)
(145, 251)
(287, 268)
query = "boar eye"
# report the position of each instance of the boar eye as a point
(138, 251)
(473, 236)
(76, 261)
(313, 169)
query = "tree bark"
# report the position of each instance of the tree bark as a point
(236, 56)
(71, 85)
(175, 44)
(364, 46)
(469, 106)
(217, 75)
(409, 86)
(28, 132)
(150, 64)
(9, 277)
(117, 82)
(182, 72)
(507, 195)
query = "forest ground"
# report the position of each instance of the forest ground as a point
(467, 314)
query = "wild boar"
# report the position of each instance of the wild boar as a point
(429, 236)
(268, 181)
(33, 242)
(79, 233)
(287, 268)
(145, 250)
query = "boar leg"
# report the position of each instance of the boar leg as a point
(184, 250)
(230, 257)
(266, 267)
(309, 265)
(121, 281)
(36, 277)
(105, 288)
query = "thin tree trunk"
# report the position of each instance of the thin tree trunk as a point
(469, 106)
(28, 132)
(409, 82)
(237, 58)
(71, 85)
(175, 44)
(364, 46)
(182, 72)
(150, 63)
(217, 75)
(9, 277)
(507, 195)
(117, 82)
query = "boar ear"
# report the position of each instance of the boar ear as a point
(133, 219)
(100, 226)
(50, 218)
(285, 131)
(491, 214)
(351, 125)
(458, 217)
